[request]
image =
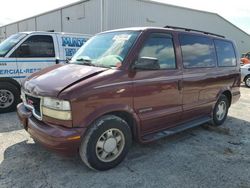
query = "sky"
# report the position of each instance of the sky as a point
(237, 12)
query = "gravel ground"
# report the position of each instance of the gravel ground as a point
(200, 157)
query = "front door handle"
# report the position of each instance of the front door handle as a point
(179, 85)
(57, 61)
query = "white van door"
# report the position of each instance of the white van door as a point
(8, 66)
(69, 44)
(35, 53)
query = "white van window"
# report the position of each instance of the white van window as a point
(10, 42)
(36, 46)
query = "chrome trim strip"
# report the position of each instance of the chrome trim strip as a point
(154, 79)
(158, 79)
(113, 84)
(142, 81)
(194, 75)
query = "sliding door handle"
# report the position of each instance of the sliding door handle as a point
(179, 85)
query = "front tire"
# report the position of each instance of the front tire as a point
(220, 110)
(247, 81)
(106, 143)
(9, 97)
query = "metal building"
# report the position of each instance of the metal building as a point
(93, 16)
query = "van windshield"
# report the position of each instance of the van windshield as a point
(106, 49)
(10, 42)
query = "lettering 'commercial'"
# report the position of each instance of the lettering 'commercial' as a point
(19, 71)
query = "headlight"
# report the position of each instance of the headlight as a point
(58, 109)
(56, 104)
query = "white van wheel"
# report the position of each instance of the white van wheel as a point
(9, 96)
(247, 81)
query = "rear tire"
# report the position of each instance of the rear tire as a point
(220, 110)
(247, 81)
(9, 97)
(106, 143)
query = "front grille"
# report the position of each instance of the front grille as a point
(34, 102)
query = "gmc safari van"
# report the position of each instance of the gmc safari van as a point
(27, 52)
(136, 84)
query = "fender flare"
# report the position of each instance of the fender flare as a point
(222, 90)
(109, 109)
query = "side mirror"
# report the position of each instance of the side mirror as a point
(146, 63)
(57, 60)
(24, 49)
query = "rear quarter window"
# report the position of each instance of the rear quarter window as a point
(197, 51)
(225, 53)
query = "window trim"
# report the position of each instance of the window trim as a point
(217, 53)
(170, 36)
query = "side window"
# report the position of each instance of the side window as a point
(225, 53)
(36, 46)
(197, 51)
(161, 47)
(248, 55)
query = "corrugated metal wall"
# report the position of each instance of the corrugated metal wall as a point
(48, 22)
(28, 25)
(82, 17)
(85, 17)
(120, 13)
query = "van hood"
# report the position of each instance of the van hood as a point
(51, 81)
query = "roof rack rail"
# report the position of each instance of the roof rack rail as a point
(188, 29)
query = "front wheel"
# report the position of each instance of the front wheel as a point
(220, 110)
(9, 97)
(247, 81)
(106, 143)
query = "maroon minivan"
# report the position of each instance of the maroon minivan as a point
(130, 84)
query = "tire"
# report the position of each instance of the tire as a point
(247, 81)
(220, 110)
(106, 143)
(9, 97)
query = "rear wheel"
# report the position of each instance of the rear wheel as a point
(106, 143)
(247, 81)
(220, 110)
(9, 97)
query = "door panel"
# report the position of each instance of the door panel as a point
(197, 93)
(35, 53)
(157, 98)
(199, 65)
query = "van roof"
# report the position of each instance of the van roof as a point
(58, 33)
(168, 28)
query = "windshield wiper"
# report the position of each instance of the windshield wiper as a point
(86, 62)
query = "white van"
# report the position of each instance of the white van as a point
(27, 52)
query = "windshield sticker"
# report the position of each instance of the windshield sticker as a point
(121, 38)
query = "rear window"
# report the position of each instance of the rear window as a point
(225, 53)
(197, 51)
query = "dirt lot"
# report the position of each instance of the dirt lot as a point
(200, 157)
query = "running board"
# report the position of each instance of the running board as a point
(176, 129)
